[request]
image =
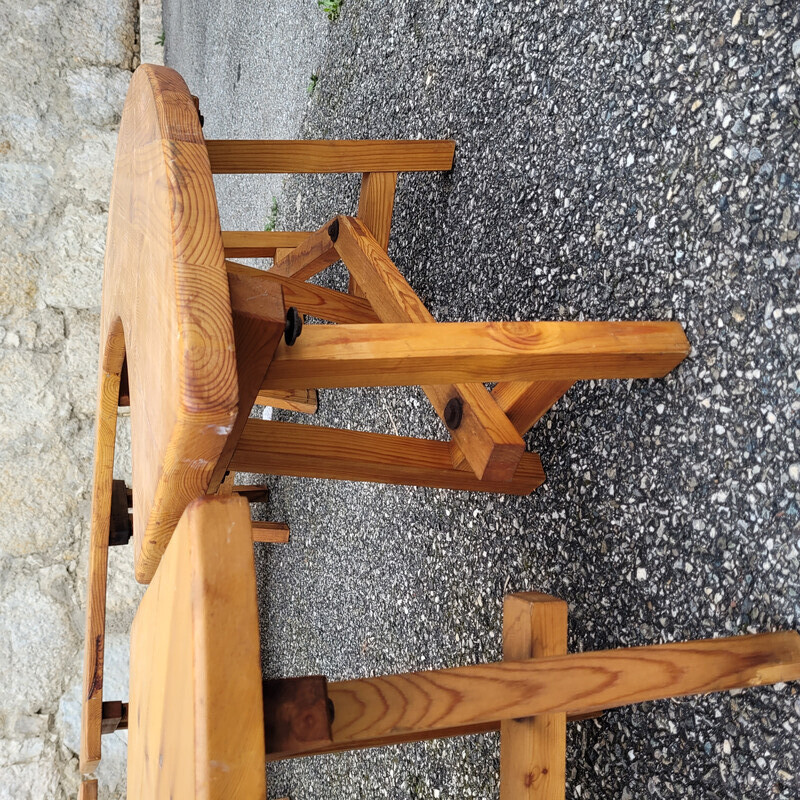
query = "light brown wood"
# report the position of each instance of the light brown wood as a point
(112, 357)
(283, 448)
(260, 244)
(277, 156)
(88, 790)
(312, 255)
(375, 206)
(306, 401)
(371, 708)
(488, 440)
(533, 751)
(165, 286)
(196, 720)
(309, 298)
(524, 403)
(405, 354)
(414, 736)
(277, 532)
(258, 325)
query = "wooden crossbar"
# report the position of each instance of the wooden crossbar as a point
(370, 709)
(308, 298)
(247, 156)
(406, 354)
(311, 256)
(284, 448)
(260, 244)
(488, 440)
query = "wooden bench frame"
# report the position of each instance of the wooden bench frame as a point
(202, 722)
(190, 339)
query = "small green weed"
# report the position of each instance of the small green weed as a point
(312, 84)
(331, 8)
(273, 215)
(160, 39)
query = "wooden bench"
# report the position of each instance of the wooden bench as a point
(201, 722)
(190, 339)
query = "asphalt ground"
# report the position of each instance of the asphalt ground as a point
(614, 161)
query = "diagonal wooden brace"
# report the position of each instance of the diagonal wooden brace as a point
(488, 440)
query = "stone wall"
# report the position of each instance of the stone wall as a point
(64, 71)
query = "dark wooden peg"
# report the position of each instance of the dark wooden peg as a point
(120, 526)
(115, 716)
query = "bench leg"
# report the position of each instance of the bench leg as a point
(533, 751)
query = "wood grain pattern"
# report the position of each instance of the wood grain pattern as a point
(405, 354)
(111, 357)
(524, 403)
(88, 790)
(309, 298)
(258, 325)
(165, 284)
(375, 207)
(488, 440)
(533, 751)
(277, 156)
(370, 708)
(312, 255)
(306, 401)
(196, 720)
(284, 448)
(260, 244)
(275, 532)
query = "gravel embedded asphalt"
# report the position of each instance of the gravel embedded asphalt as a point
(613, 161)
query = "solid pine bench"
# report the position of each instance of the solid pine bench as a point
(190, 339)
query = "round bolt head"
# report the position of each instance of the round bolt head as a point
(294, 326)
(453, 413)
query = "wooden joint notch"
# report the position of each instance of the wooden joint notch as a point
(120, 526)
(297, 715)
(270, 532)
(253, 494)
(115, 716)
(263, 156)
(124, 386)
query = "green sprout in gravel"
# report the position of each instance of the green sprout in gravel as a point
(273, 215)
(312, 83)
(331, 8)
(160, 40)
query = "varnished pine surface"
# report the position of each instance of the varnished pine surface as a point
(196, 721)
(165, 282)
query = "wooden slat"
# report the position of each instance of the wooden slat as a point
(288, 156)
(306, 401)
(309, 298)
(407, 738)
(259, 244)
(253, 494)
(524, 403)
(533, 751)
(258, 324)
(486, 437)
(370, 708)
(375, 206)
(88, 790)
(314, 254)
(283, 448)
(405, 354)
(94, 642)
(196, 720)
(275, 532)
